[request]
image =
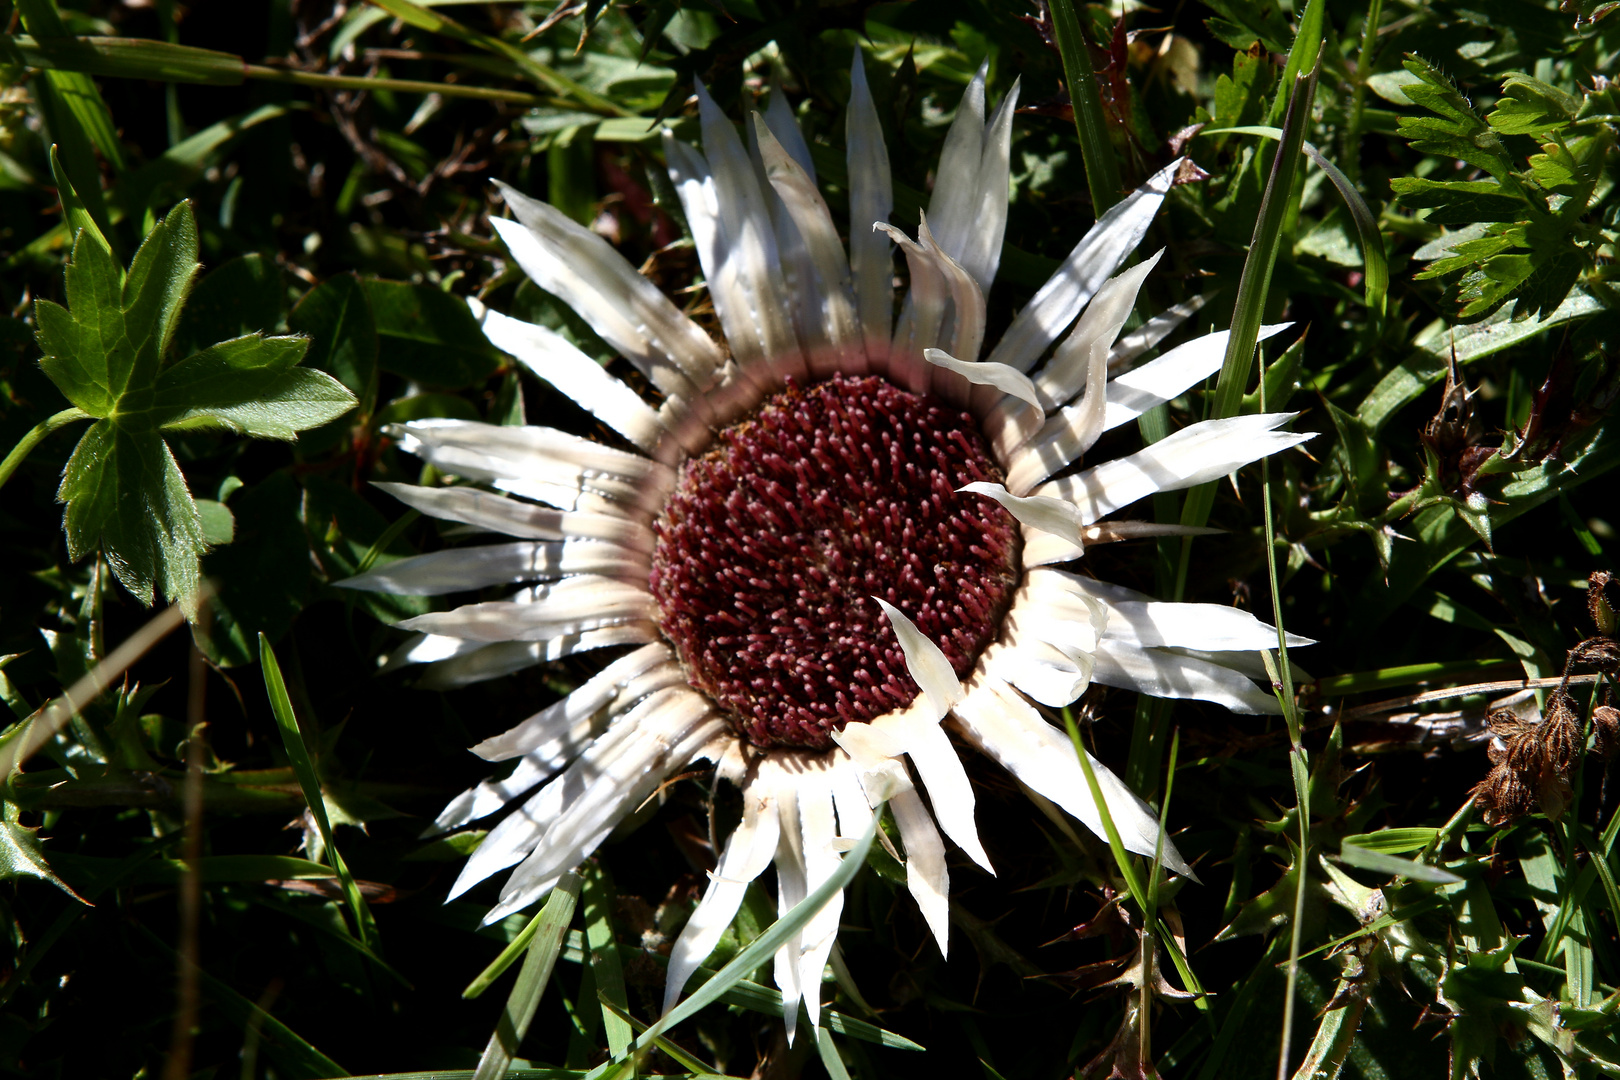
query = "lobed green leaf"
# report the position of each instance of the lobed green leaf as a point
(250, 386)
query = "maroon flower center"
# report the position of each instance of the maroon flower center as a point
(775, 541)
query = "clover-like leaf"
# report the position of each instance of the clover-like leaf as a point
(122, 487)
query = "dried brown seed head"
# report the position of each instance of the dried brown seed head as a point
(1602, 653)
(1561, 733)
(1605, 731)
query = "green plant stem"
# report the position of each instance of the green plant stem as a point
(26, 444)
(1085, 95)
(403, 86)
(1299, 766)
(1351, 148)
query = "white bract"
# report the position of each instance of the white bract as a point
(582, 519)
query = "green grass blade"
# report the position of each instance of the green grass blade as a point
(1302, 54)
(1353, 855)
(508, 955)
(308, 779)
(545, 944)
(604, 958)
(1253, 285)
(764, 947)
(829, 1055)
(74, 100)
(1374, 256)
(692, 1064)
(1096, 150)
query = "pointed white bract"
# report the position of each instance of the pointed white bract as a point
(1055, 516)
(578, 521)
(871, 199)
(925, 661)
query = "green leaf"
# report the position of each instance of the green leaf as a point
(73, 208)
(123, 490)
(1301, 54)
(82, 346)
(1458, 202)
(250, 386)
(21, 856)
(1458, 132)
(430, 335)
(1360, 458)
(158, 281)
(1253, 286)
(218, 523)
(1393, 841)
(125, 494)
(343, 336)
(1239, 100)
(1383, 863)
(1434, 343)
(1531, 107)
(1090, 122)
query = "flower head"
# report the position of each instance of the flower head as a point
(838, 534)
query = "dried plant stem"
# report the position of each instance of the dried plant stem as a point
(178, 1065)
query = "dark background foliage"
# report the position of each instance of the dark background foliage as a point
(358, 217)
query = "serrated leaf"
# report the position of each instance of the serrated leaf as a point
(73, 208)
(1460, 202)
(249, 386)
(82, 347)
(21, 856)
(1466, 254)
(1457, 131)
(155, 288)
(1359, 456)
(125, 494)
(124, 491)
(1493, 283)
(1531, 107)
(1239, 99)
(1555, 275)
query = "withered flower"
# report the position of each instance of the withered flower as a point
(1603, 600)
(1561, 732)
(1605, 731)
